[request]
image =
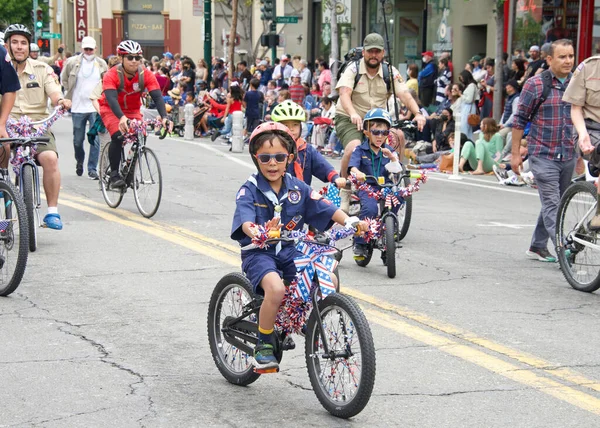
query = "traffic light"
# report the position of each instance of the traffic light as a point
(269, 40)
(268, 10)
(39, 18)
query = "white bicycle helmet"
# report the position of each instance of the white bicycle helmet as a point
(1, 38)
(129, 47)
(33, 47)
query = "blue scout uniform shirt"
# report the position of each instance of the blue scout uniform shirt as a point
(300, 204)
(9, 80)
(312, 163)
(370, 163)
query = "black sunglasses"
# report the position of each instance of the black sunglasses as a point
(377, 132)
(266, 158)
(133, 57)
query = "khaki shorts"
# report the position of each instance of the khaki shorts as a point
(50, 145)
(345, 130)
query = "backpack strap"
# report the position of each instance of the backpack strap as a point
(141, 71)
(121, 77)
(386, 74)
(547, 82)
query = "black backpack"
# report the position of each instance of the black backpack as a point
(547, 82)
(354, 55)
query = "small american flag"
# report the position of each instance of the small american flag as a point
(4, 225)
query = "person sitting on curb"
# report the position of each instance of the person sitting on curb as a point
(481, 154)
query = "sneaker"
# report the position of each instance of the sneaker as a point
(541, 254)
(512, 180)
(264, 358)
(214, 136)
(116, 180)
(500, 173)
(595, 223)
(53, 221)
(93, 175)
(79, 169)
(226, 143)
(528, 178)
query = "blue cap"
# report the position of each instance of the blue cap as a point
(168, 55)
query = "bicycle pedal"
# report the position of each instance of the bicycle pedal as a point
(266, 371)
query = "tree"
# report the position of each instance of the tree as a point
(499, 69)
(16, 12)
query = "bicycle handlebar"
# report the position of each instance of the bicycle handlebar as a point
(408, 174)
(25, 141)
(52, 115)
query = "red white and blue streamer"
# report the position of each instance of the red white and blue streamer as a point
(23, 126)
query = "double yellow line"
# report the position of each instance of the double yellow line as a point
(536, 373)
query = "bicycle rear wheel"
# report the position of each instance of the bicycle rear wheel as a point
(343, 384)
(14, 238)
(579, 261)
(232, 293)
(405, 212)
(112, 197)
(147, 182)
(29, 200)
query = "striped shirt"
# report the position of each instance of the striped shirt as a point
(297, 93)
(551, 133)
(443, 80)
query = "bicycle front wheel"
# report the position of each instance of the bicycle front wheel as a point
(112, 197)
(343, 379)
(147, 182)
(579, 260)
(29, 200)
(390, 245)
(14, 238)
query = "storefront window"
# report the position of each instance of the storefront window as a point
(540, 21)
(439, 32)
(343, 11)
(596, 29)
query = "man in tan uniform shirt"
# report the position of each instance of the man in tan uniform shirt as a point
(38, 84)
(370, 92)
(583, 93)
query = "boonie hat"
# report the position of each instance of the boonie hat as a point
(88, 43)
(373, 41)
(175, 93)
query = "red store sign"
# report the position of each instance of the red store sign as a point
(81, 19)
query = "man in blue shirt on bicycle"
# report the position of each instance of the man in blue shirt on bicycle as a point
(370, 158)
(9, 85)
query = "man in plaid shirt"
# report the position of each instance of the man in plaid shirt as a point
(549, 143)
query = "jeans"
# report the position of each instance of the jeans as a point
(79, 122)
(552, 178)
(227, 126)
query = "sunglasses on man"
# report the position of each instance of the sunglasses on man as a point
(133, 57)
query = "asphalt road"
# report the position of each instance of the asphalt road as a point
(108, 327)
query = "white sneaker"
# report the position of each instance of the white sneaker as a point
(528, 178)
(512, 180)
(500, 173)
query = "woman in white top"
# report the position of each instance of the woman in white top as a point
(470, 98)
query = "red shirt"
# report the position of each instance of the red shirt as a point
(130, 99)
(297, 93)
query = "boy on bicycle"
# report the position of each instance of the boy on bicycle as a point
(309, 161)
(123, 87)
(371, 158)
(275, 199)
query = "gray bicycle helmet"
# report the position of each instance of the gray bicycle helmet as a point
(33, 47)
(17, 29)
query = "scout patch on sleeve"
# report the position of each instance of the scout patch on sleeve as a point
(241, 193)
(580, 66)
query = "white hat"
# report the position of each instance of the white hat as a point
(295, 73)
(534, 48)
(88, 42)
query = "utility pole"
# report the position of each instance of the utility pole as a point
(207, 36)
(35, 18)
